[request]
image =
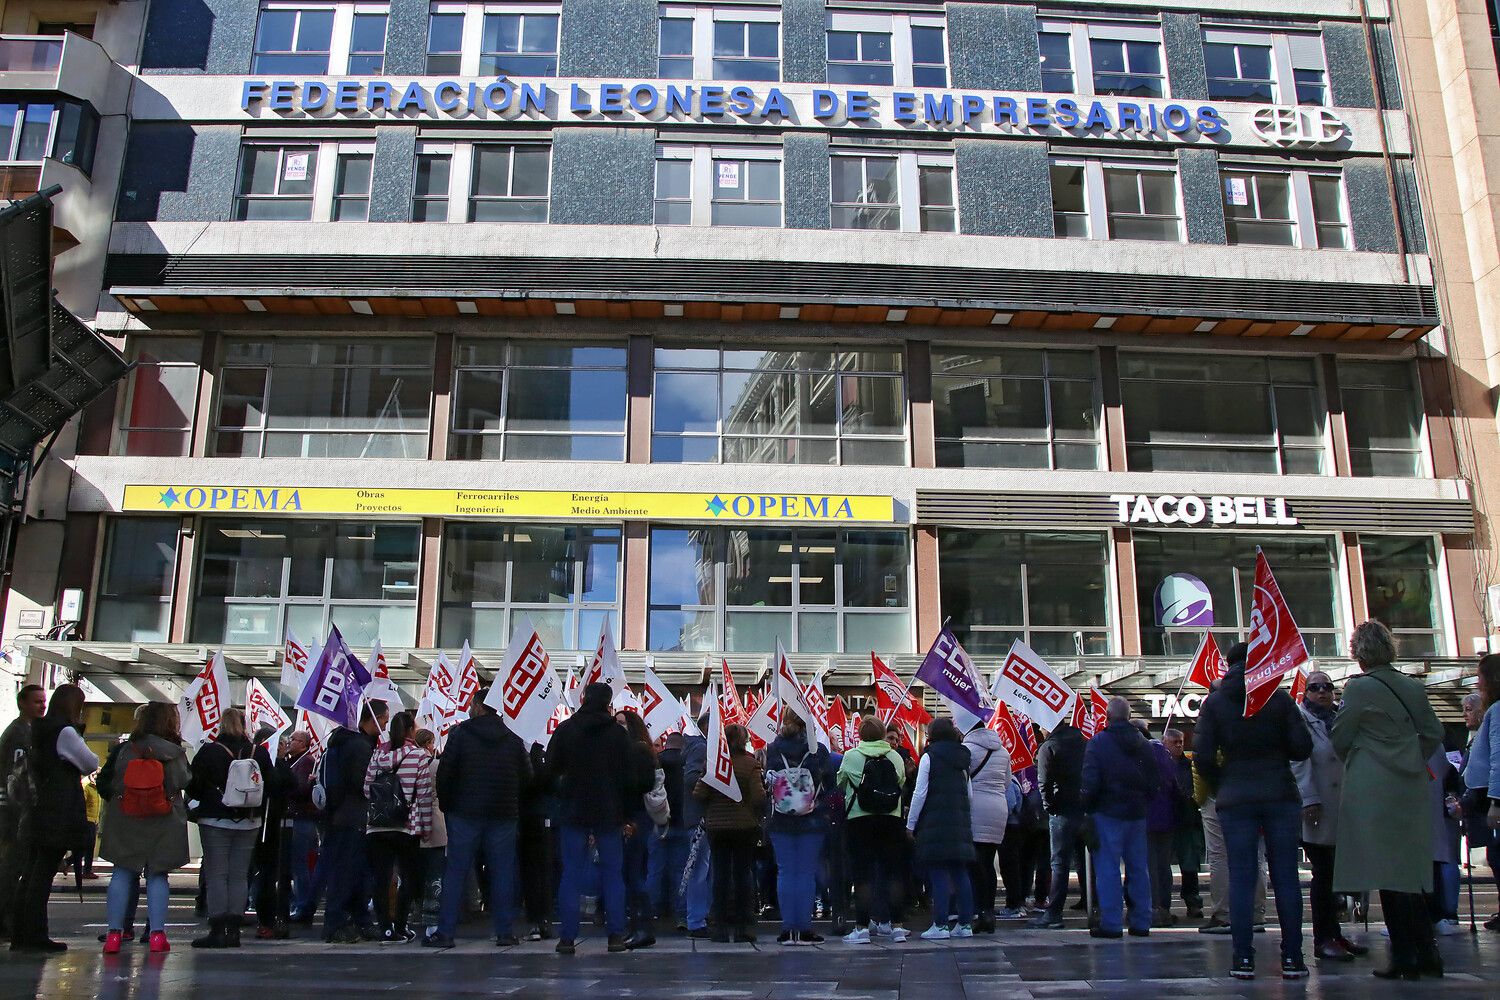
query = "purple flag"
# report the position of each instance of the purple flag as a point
(948, 670)
(335, 683)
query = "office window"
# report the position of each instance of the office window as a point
(718, 186)
(818, 590)
(351, 190)
(1048, 589)
(1014, 408)
(133, 603)
(510, 183)
(277, 182)
(790, 406)
(1306, 568)
(286, 398)
(883, 50)
(908, 191)
(1090, 58)
(1383, 417)
(367, 42)
(746, 50)
(492, 39)
(565, 578)
(1122, 200)
(1176, 419)
(481, 182)
(1265, 67)
(293, 39)
(538, 400)
(26, 131)
(258, 579)
(161, 397)
(1289, 208)
(1057, 61)
(1401, 589)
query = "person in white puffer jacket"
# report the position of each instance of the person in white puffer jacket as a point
(989, 779)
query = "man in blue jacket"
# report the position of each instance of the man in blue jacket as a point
(1119, 779)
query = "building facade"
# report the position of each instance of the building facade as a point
(736, 322)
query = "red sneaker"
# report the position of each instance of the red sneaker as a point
(159, 942)
(112, 942)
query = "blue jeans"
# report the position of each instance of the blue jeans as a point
(466, 838)
(1123, 840)
(636, 870)
(576, 873)
(344, 866)
(1281, 822)
(1445, 883)
(947, 881)
(699, 893)
(797, 876)
(122, 886)
(668, 860)
(1066, 832)
(307, 879)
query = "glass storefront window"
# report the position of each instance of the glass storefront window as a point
(1401, 590)
(1049, 589)
(325, 399)
(818, 590)
(792, 406)
(1178, 417)
(1383, 415)
(539, 400)
(1306, 568)
(161, 398)
(135, 584)
(257, 579)
(1015, 409)
(566, 579)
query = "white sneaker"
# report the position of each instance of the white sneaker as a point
(937, 932)
(860, 935)
(880, 930)
(962, 931)
(898, 935)
(1447, 927)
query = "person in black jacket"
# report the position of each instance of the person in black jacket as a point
(1059, 768)
(273, 870)
(345, 914)
(1120, 778)
(598, 780)
(669, 849)
(480, 778)
(1247, 765)
(535, 847)
(229, 833)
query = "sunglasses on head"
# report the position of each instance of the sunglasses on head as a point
(1320, 687)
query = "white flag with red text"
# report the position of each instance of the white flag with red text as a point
(527, 691)
(791, 693)
(466, 680)
(381, 687)
(437, 710)
(204, 701)
(660, 709)
(719, 770)
(765, 722)
(605, 665)
(318, 731)
(295, 659)
(261, 711)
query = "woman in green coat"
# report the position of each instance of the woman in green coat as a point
(1385, 732)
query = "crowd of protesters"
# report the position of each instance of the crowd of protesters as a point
(396, 843)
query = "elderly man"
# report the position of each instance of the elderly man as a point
(1320, 779)
(1187, 838)
(1119, 778)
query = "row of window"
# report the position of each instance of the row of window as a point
(730, 186)
(32, 131)
(821, 590)
(995, 408)
(743, 43)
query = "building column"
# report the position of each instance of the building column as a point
(1114, 413)
(1354, 565)
(1468, 607)
(208, 373)
(429, 582)
(182, 584)
(1125, 592)
(1338, 424)
(919, 392)
(633, 598)
(442, 397)
(640, 361)
(929, 605)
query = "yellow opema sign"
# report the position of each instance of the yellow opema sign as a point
(545, 504)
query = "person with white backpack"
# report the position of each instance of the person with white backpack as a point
(225, 796)
(795, 777)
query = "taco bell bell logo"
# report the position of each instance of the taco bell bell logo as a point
(1183, 601)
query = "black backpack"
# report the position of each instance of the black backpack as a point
(388, 806)
(879, 791)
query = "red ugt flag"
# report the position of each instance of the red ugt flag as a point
(1208, 663)
(1276, 645)
(891, 694)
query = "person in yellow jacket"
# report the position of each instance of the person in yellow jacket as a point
(91, 807)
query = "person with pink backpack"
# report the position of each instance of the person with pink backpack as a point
(145, 821)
